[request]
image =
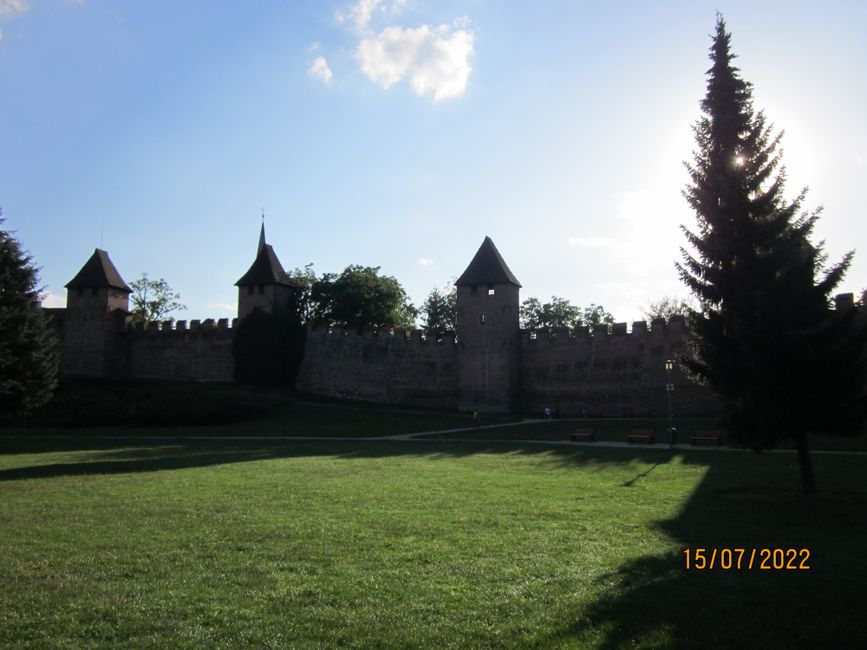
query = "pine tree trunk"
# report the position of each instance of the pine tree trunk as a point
(808, 481)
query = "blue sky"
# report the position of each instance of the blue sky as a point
(399, 134)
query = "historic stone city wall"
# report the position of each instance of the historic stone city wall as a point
(167, 351)
(607, 371)
(391, 368)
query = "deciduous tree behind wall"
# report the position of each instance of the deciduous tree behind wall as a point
(360, 297)
(28, 348)
(559, 312)
(152, 300)
(764, 339)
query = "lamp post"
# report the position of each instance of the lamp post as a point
(669, 389)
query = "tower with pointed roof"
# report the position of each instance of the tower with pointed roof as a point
(265, 285)
(488, 333)
(97, 305)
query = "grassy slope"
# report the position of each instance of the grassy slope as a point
(185, 409)
(407, 544)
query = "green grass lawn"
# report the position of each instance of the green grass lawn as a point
(408, 544)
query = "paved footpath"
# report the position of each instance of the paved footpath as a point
(421, 436)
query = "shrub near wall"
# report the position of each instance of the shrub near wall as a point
(268, 348)
(97, 403)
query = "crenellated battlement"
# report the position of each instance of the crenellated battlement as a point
(606, 333)
(388, 337)
(211, 326)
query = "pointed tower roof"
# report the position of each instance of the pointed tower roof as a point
(487, 267)
(98, 272)
(266, 269)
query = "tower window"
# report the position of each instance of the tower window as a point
(261, 288)
(482, 318)
(474, 290)
(79, 292)
(250, 290)
(491, 290)
(93, 291)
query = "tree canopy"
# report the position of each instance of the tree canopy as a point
(559, 313)
(152, 300)
(358, 298)
(28, 347)
(668, 306)
(764, 338)
(304, 280)
(439, 311)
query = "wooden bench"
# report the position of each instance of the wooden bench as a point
(707, 437)
(641, 435)
(583, 435)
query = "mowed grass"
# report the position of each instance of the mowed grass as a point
(419, 544)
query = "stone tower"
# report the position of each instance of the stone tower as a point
(265, 285)
(488, 334)
(97, 305)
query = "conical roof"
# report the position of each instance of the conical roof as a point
(265, 270)
(98, 272)
(487, 267)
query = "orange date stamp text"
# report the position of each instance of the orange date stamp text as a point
(740, 559)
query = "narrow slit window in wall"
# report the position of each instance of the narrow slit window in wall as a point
(481, 319)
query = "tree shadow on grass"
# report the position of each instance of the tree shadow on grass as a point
(102, 456)
(654, 601)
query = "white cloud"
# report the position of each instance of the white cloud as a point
(9, 8)
(590, 242)
(52, 300)
(12, 8)
(859, 158)
(222, 306)
(319, 70)
(362, 12)
(436, 61)
(425, 261)
(359, 14)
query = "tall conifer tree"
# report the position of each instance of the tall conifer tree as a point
(28, 348)
(764, 339)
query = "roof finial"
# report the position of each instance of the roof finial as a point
(261, 234)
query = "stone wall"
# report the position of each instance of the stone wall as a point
(88, 340)
(173, 351)
(391, 368)
(608, 370)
